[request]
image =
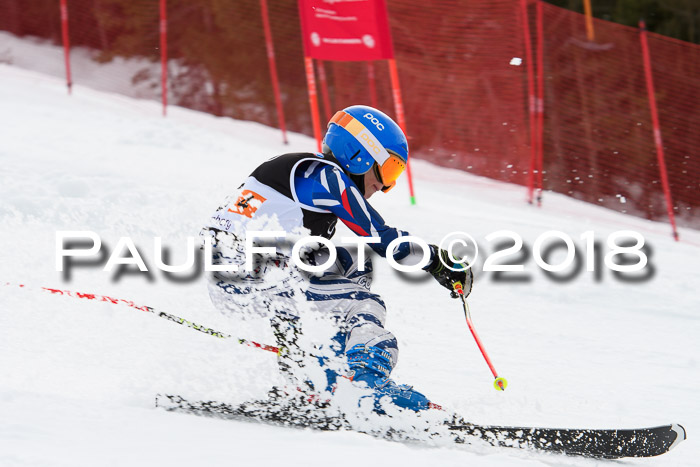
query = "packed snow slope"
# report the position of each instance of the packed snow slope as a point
(78, 377)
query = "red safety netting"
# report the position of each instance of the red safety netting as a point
(40, 18)
(218, 60)
(464, 102)
(466, 105)
(676, 69)
(598, 133)
(121, 36)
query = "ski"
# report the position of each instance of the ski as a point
(297, 413)
(598, 443)
(304, 412)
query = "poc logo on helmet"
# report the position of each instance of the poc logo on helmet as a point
(371, 144)
(374, 120)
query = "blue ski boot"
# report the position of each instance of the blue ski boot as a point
(372, 366)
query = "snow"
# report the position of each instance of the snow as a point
(41, 55)
(79, 376)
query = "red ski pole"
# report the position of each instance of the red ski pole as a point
(160, 314)
(499, 383)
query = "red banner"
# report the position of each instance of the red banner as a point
(345, 30)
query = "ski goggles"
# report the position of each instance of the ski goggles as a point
(389, 165)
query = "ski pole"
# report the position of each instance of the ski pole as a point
(174, 319)
(499, 383)
(160, 314)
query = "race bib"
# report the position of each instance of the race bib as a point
(247, 203)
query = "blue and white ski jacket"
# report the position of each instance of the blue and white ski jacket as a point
(311, 191)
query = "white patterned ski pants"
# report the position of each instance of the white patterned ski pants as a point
(276, 288)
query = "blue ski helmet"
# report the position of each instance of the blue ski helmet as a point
(361, 135)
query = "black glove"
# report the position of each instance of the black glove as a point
(447, 277)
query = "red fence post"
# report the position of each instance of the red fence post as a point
(540, 101)
(657, 129)
(531, 99)
(398, 107)
(324, 88)
(66, 43)
(313, 100)
(273, 68)
(164, 54)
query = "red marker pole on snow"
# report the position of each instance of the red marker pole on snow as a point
(272, 64)
(532, 100)
(66, 43)
(164, 55)
(658, 141)
(499, 383)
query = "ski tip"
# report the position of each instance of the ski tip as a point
(680, 435)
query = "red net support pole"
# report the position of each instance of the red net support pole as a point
(398, 108)
(272, 64)
(66, 43)
(372, 84)
(588, 11)
(540, 101)
(321, 68)
(531, 99)
(657, 129)
(313, 100)
(164, 54)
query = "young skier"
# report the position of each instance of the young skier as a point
(364, 152)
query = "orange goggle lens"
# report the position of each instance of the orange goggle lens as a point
(390, 171)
